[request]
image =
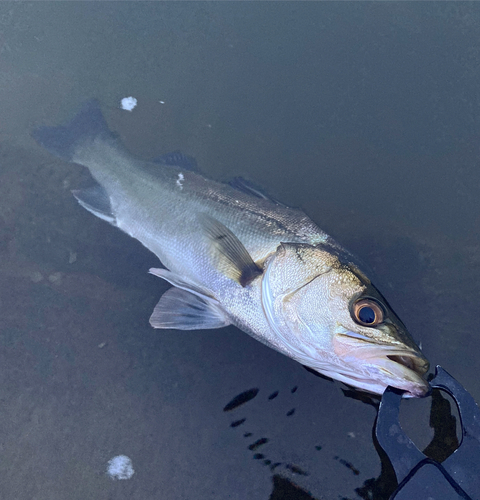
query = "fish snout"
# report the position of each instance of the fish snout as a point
(374, 367)
(411, 367)
(403, 369)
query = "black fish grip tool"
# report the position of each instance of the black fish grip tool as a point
(420, 477)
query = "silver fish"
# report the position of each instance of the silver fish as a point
(236, 257)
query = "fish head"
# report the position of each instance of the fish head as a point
(327, 315)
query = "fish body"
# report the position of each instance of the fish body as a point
(236, 257)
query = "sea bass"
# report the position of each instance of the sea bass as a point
(236, 257)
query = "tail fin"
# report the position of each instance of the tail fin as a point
(88, 124)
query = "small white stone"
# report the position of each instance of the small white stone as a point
(72, 256)
(180, 180)
(120, 467)
(55, 277)
(128, 103)
(36, 277)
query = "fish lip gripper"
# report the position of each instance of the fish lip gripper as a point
(418, 476)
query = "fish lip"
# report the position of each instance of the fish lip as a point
(412, 361)
(404, 370)
(383, 365)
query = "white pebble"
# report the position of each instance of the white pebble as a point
(72, 256)
(128, 103)
(55, 278)
(120, 467)
(36, 277)
(180, 180)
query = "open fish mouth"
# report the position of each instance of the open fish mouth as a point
(373, 368)
(413, 362)
(402, 370)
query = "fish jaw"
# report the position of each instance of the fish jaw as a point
(372, 367)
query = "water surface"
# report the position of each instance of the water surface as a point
(363, 114)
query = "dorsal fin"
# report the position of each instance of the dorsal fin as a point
(177, 159)
(252, 189)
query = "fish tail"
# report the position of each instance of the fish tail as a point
(86, 126)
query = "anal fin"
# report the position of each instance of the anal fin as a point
(96, 200)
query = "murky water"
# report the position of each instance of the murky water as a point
(363, 114)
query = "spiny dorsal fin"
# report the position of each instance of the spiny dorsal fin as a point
(252, 189)
(177, 159)
(234, 259)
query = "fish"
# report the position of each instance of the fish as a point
(235, 256)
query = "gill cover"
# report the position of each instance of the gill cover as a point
(290, 272)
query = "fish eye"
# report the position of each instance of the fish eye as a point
(367, 312)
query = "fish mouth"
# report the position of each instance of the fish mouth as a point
(403, 370)
(373, 367)
(411, 361)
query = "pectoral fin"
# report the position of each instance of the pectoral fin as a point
(233, 258)
(187, 307)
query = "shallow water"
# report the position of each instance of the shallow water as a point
(365, 115)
